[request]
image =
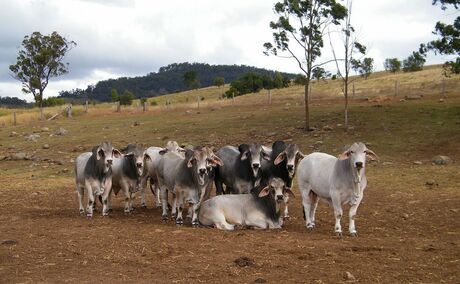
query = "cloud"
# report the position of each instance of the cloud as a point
(131, 38)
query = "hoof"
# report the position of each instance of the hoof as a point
(287, 217)
(82, 211)
(338, 234)
(164, 218)
(195, 223)
(353, 234)
(158, 206)
(173, 215)
(143, 206)
(89, 215)
(310, 228)
(179, 221)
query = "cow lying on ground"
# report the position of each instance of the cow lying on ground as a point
(259, 209)
(93, 173)
(338, 181)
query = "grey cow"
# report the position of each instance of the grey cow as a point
(150, 171)
(93, 173)
(259, 209)
(336, 180)
(242, 170)
(127, 173)
(187, 178)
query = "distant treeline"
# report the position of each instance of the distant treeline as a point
(13, 102)
(168, 79)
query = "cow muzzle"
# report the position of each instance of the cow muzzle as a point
(279, 198)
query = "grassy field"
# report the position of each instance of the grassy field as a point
(409, 231)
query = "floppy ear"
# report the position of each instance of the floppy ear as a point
(289, 192)
(244, 155)
(265, 155)
(345, 155)
(130, 154)
(299, 156)
(265, 191)
(99, 153)
(181, 150)
(280, 158)
(116, 153)
(163, 151)
(215, 161)
(190, 162)
(371, 155)
(147, 156)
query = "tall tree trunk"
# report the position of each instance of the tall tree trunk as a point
(307, 109)
(345, 92)
(40, 104)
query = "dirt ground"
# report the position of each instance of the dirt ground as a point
(403, 237)
(408, 231)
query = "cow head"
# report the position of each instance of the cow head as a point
(138, 156)
(172, 146)
(291, 155)
(200, 160)
(357, 154)
(277, 188)
(254, 153)
(105, 152)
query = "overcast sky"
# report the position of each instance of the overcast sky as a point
(134, 37)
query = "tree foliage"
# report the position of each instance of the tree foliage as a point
(126, 99)
(253, 83)
(53, 101)
(448, 41)
(414, 62)
(191, 79)
(169, 79)
(219, 81)
(39, 59)
(364, 67)
(114, 95)
(392, 65)
(301, 24)
(319, 73)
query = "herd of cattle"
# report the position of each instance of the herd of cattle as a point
(252, 182)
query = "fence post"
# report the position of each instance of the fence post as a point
(69, 110)
(198, 101)
(443, 87)
(42, 116)
(145, 106)
(86, 106)
(14, 118)
(118, 106)
(269, 96)
(233, 98)
(396, 87)
(353, 89)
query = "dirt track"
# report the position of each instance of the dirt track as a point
(404, 236)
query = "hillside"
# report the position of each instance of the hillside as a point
(168, 79)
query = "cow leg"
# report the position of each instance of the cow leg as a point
(353, 210)
(173, 206)
(125, 189)
(219, 187)
(80, 194)
(142, 190)
(164, 201)
(89, 192)
(314, 204)
(286, 210)
(179, 202)
(307, 205)
(336, 203)
(105, 196)
(156, 193)
(195, 209)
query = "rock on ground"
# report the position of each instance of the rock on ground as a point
(441, 160)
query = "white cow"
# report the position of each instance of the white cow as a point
(337, 181)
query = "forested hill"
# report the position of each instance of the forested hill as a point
(168, 79)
